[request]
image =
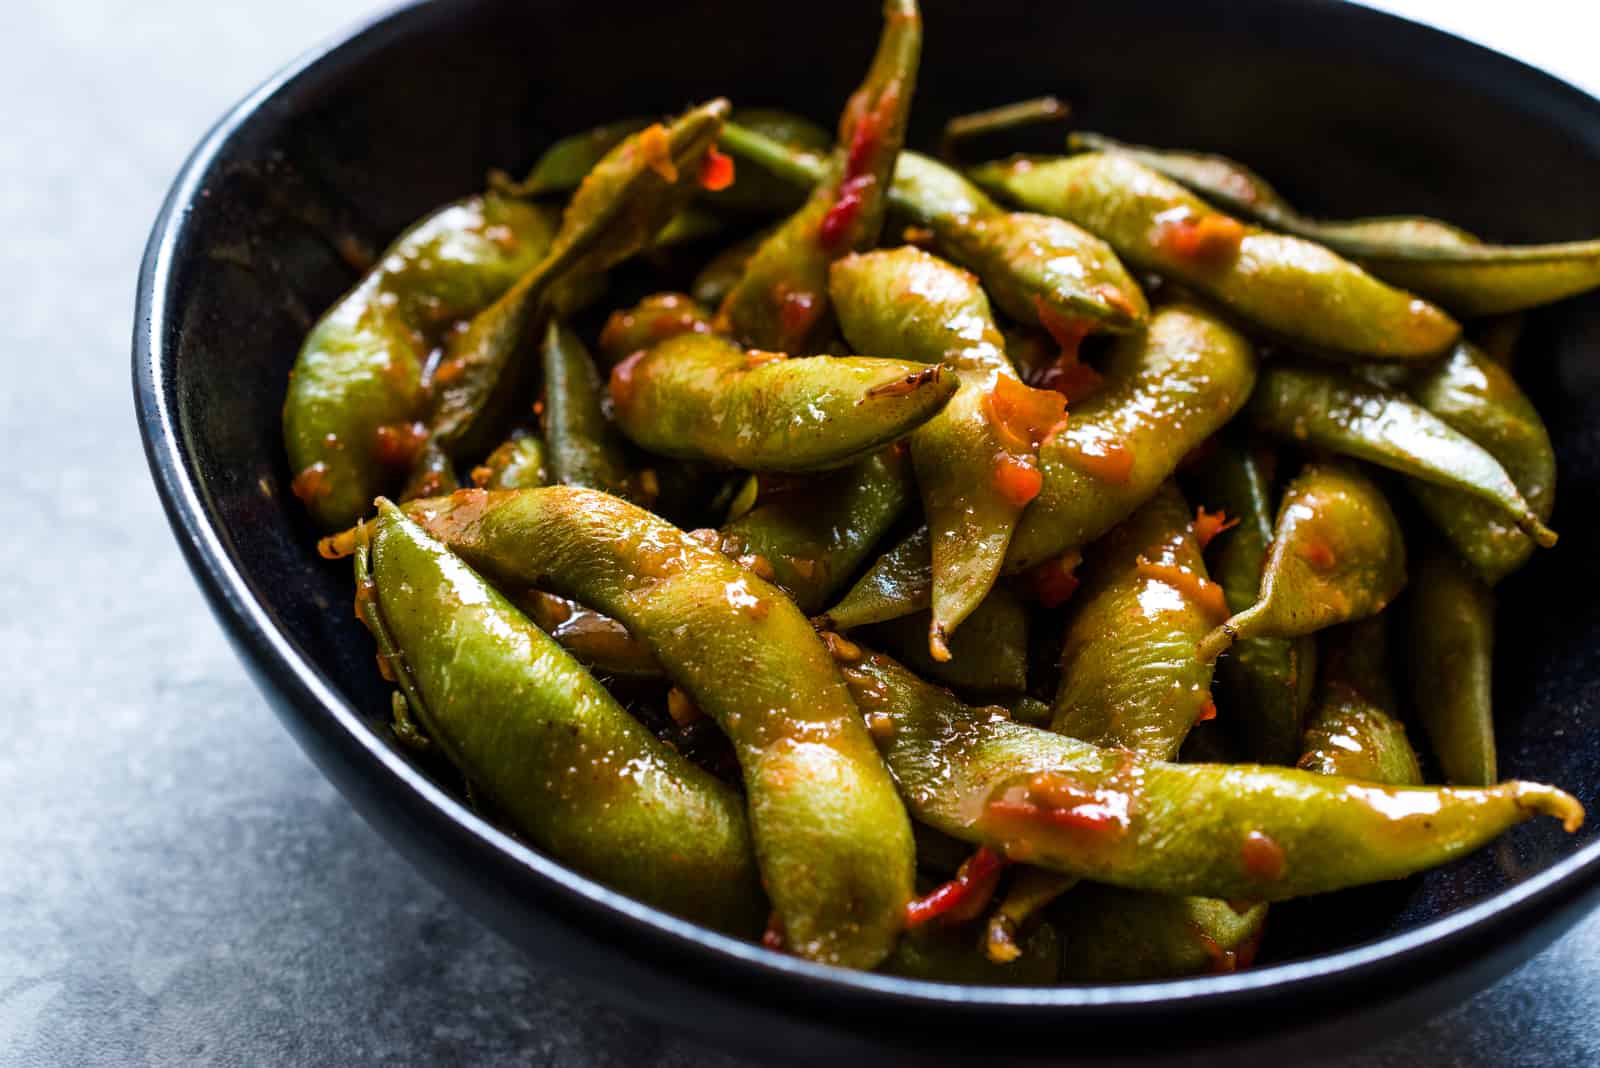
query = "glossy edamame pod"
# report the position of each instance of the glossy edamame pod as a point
(814, 537)
(1229, 831)
(1329, 410)
(356, 385)
(652, 320)
(1266, 684)
(1337, 555)
(897, 584)
(1441, 262)
(628, 196)
(1479, 399)
(1290, 287)
(1452, 665)
(703, 397)
(1109, 935)
(988, 655)
(1129, 673)
(546, 742)
(1039, 269)
(597, 641)
(1353, 731)
(781, 301)
(584, 448)
(519, 462)
(977, 460)
(941, 954)
(832, 838)
(1165, 391)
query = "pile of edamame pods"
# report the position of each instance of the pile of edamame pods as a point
(982, 573)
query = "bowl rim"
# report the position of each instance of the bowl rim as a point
(270, 654)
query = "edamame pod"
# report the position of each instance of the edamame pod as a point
(1353, 731)
(356, 390)
(1329, 410)
(1452, 665)
(1039, 269)
(546, 742)
(703, 397)
(519, 462)
(1290, 287)
(584, 448)
(1266, 684)
(1337, 555)
(562, 167)
(832, 838)
(814, 537)
(1229, 831)
(781, 301)
(1441, 262)
(628, 196)
(649, 322)
(1480, 400)
(1111, 935)
(898, 583)
(977, 460)
(1129, 674)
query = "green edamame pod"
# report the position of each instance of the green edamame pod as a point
(977, 460)
(941, 954)
(562, 167)
(1452, 665)
(988, 655)
(584, 448)
(1229, 831)
(1165, 391)
(649, 322)
(1039, 269)
(596, 641)
(1109, 935)
(1480, 400)
(1340, 413)
(1266, 684)
(1289, 286)
(1337, 555)
(356, 385)
(1353, 732)
(781, 301)
(531, 729)
(1129, 674)
(1441, 262)
(815, 537)
(832, 837)
(519, 462)
(703, 397)
(898, 583)
(628, 196)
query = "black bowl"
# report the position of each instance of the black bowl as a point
(1349, 110)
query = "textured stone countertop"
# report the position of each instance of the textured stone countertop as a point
(177, 883)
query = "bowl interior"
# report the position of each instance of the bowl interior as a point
(1345, 110)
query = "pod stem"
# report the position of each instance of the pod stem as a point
(792, 165)
(1219, 640)
(407, 702)
(1039, 109)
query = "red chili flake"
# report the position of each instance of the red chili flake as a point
(1055, 581)
(716, 170)
(1018, 481)
(1208, 711)
(963, 897)
(846, 207)
(1207, 239)
(1022, 417)
(1263, 858)
(397, 444)
(312, 484)
(773, 937)
(798, 310)
(1208, 525)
